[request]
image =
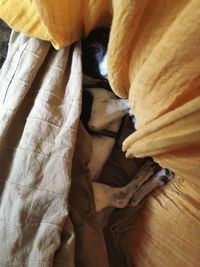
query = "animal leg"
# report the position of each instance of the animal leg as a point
(159, 179)
(119, 197)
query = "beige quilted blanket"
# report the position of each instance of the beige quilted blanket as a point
(40, 100)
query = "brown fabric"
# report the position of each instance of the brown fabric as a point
(118, 171)
(90, 247)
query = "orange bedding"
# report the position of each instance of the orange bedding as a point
(154, 60)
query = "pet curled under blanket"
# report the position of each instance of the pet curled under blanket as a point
(154, 60)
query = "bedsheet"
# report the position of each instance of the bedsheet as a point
(40, 104)
(153, 59)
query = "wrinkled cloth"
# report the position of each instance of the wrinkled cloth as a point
(40, 105)
(166, 231)
(101, 239)
(90, 249)
(153, 59)
(119, 223)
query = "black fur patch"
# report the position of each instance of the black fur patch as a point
(94, 48)
(87, 101)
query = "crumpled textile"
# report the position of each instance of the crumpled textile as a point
(102, 240)
(40, 105)
(90, 249)
(118, 224)
(153, 59)
(47, 214)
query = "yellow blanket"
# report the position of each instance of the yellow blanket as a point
(154, 60)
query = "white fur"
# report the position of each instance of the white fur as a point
(154, 182)
(134, 192)
(103, 67)
(107, 111)
(102, 147)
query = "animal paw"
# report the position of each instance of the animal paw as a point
(163, 176)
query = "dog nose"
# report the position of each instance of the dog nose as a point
(168, 172)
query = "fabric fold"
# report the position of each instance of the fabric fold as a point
(41, 91)
(153, 59)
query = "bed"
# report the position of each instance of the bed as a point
(157, 67)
